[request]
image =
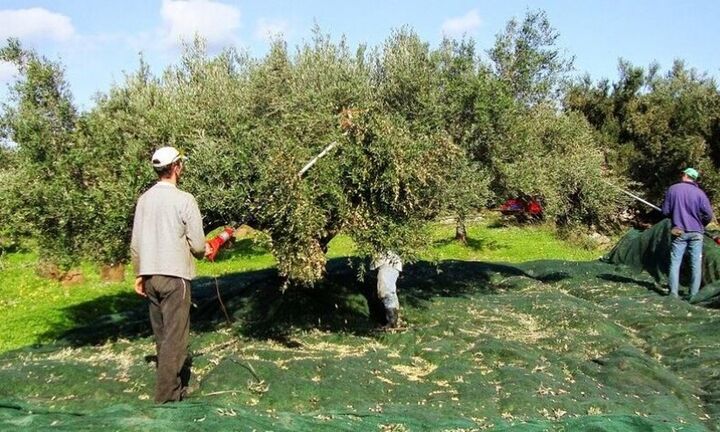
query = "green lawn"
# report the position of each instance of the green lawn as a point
(490, 241)
(35, 306)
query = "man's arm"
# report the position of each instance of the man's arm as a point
(135, 257)
(134, 254)
(194, 229)
(706, 210)
(666, 206)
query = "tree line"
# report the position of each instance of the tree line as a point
(420, 132)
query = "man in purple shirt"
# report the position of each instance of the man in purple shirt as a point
(689, 210)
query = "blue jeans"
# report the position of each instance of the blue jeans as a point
(695, 242)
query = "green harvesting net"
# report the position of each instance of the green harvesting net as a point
(649, 250)
(545, 345)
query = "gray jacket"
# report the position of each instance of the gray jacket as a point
(167, 233)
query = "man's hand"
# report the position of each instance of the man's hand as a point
(208, 249)
(140, 286)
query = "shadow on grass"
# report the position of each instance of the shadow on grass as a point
(513, 221)
(256, 307)
(472, 243)
(7, 247)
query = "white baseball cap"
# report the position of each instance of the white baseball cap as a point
(165, 156)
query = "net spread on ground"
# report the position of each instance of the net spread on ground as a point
(545, 345)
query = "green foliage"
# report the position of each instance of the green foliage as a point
(249, 126)
(50, 200)
(461, 101)
(555, 159)
(655, 125)
(527, 61)
(396, 183)
(117, 145)
(419, 132)
(386, 178)
(404, 80)
(12, 211)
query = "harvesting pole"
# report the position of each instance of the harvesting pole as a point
(715, 238)
(346, 124)
(630, 194)
(316, 158)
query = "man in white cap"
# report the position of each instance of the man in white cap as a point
(167, 233)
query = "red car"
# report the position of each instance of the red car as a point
(529, 208)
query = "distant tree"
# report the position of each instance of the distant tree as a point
(461, 81)
(525, 57)
(117, 138)
(654, 125)
(49, 171)
(596, 104)
(672, 126)
(12, 216)
(555, 159)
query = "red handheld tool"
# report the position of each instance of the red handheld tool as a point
(218, 241)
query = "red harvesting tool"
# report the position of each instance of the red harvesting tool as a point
(218, 241)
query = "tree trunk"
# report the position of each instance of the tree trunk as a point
(460, 231)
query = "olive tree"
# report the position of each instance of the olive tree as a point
(48, 181)
(462, 83)
(557, 160)
(653, 125)
(527, 60)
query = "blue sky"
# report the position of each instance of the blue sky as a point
(98, 41)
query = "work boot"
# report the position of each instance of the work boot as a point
(391, 318)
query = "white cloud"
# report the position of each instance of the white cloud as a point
(267, 29)
(7, 72)
(466, 24)
(35, 24)
(214, 21)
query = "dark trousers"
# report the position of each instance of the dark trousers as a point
(169, 299)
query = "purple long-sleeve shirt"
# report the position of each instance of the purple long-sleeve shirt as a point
(687, 206)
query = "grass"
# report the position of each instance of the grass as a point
(490, 240)
(35, 307)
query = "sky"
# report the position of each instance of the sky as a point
(99, 41)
